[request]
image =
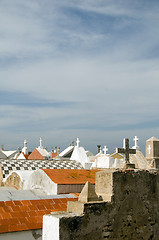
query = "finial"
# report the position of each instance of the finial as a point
(136, 139)
(41, 146)
(19, 149)
(100, 150)
(25, 143)
(105, 149)
(98, 146)
(78, 142)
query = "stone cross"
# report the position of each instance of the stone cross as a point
(105, 149)
(78, 142)
(149, 149)
(126, 150)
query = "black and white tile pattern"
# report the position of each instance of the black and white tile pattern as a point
(14, 165)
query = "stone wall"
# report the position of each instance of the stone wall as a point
(132, 212)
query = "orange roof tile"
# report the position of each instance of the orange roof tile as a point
(71, 176)
(28, 214)
(25, 155)
(35, 155)
(54, 155)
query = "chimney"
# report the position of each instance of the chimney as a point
(99, 147)
(2, 147)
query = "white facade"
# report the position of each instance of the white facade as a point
(40, 180)
(25, 148)
(18, 177)
(79, 155)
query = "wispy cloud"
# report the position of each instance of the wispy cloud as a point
(76, 68)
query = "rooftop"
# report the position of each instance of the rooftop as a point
(9, 165)
(153, 139)
(28, 214)
(11, 194)
(71, 176)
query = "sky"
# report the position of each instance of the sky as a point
(87, 69)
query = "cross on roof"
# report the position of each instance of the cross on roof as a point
(126, 150)
(41, 145)
(149, 149)
(136, 141)
(105, 149)
(78, 142)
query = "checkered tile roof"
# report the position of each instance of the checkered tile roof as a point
(14, 165)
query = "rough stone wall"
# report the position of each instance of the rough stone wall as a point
(135, 202)
(14, 181)
(132, 214)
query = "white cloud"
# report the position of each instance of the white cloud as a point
(104, 61)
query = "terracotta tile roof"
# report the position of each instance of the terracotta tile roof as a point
(25, 155)
(54, 155)
(76, 194)
(28, 214)
(36, 155)
(71, 176)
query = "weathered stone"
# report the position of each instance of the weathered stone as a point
(75, 207)
(126, 150)
(88, 194)
(139, 160)
(104, 183)
(152, 152)
(133, 212)
(130, 166)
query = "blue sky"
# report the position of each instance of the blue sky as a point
(86, 69)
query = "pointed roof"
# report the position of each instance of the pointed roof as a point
(23, 156)
(2, 155)
(43, 152)
(10, 154)
(79, 155)
(88, 194)
(66, 151)
(153, 139)
(38, 153)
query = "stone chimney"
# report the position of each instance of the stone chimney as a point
(99, 148)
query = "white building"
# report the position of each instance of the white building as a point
(79, 155)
